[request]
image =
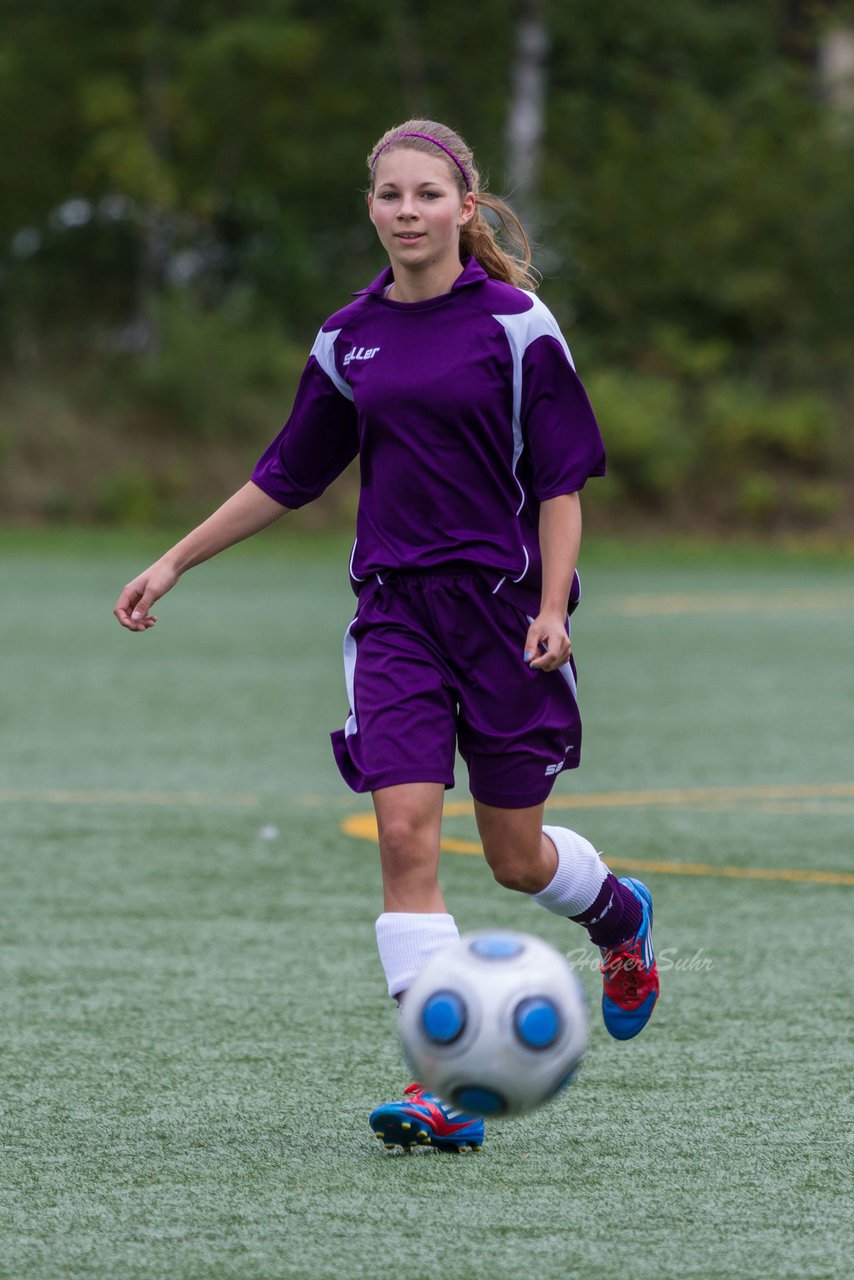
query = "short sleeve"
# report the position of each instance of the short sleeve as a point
(558, 425)
(317, 442)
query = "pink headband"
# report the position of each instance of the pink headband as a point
(426, 137)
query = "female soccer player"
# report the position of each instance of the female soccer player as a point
(454, 386)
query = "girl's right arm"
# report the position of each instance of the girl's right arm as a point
(244, 513)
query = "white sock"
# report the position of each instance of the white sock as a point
(407, 940)
(579, 876)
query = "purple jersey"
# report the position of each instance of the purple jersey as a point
(466, 413)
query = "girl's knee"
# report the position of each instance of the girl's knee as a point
(520, 865)
(518, 875)
(401, 837)
(408, 851)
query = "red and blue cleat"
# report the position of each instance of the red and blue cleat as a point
(421, 1120)
(630, 974)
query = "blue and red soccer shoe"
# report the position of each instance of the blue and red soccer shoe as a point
(421, 1120)
(630, 974)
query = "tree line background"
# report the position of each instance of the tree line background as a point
(183, 204)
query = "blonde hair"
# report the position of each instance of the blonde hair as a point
(478, 238)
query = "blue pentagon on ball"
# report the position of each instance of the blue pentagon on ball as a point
(443, 1017)
(537, 1022)
(497, 946)
(479, 1101)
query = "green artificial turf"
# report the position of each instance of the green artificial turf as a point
(194, 1025)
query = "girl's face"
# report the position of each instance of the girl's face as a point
(417, 209)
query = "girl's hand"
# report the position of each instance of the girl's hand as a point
(244, 513)
(138, 596)
(547, 645)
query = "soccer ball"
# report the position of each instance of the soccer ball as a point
(495, 1024)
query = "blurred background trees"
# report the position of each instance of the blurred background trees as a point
(182, 204)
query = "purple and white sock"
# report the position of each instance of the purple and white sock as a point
(579, 875)
(584, 890)
(407, 940)
(614, 916)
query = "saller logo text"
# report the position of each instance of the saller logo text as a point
(361, 353)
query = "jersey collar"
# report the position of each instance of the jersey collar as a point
(472, 273)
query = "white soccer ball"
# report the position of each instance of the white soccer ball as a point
(496, 1024)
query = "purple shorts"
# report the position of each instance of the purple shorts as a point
(435, 660)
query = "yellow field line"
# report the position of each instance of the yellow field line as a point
(685, 797)
(665, 867)
(731, 873)
(363, 826)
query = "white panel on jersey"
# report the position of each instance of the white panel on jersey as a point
(522, 330)
(324, 353)
(516, 352)
(536, 322)
(529, 325)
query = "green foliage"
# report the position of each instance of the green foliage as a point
(742, 422)
(649, 455)
(183, 183)
(215, 373)
(140, 442)
(727, 448)
(772, 456)
(126, 497)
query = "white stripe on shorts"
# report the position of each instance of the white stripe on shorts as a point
(566, 669)
(566, 672)
(351, 726)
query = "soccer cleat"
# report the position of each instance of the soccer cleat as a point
(630, 974)
(421, 1120)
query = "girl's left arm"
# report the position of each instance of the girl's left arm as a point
(547, 645)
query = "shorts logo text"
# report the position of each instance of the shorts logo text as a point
(360, 353)
(552, 769)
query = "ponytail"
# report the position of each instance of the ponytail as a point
(479, 240)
